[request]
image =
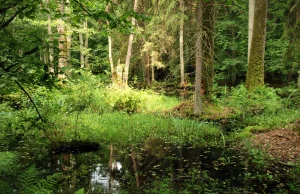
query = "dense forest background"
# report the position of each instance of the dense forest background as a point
(44, 40)
(216, 79)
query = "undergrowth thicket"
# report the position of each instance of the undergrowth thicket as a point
(88, 110)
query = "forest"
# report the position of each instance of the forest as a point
(149, 96)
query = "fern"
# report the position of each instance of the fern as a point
(5, 188)
(29, 178)
(31, 182)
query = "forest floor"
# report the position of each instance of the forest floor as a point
(282, 144)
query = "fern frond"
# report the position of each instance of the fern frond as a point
(5, 188)
(32, 183)
(29, 178)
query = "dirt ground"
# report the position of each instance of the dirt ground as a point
(282, 144)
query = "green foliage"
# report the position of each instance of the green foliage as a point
(5, 188)
(260, 101)
(185, 131)
(293, 182)
(160, 186)
(127, 103)
(200, 181)
(80, 191)
(291, 96)
(31, 182)
(8, 163)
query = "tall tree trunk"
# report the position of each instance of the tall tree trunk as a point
(111, 61)
(181, 43)
(255, 73)
(86, 45)
(148, 70)
(51, 49)
(62, 41)
(69, 44)
(250, 24)
(234, 55)
(299, 76)
(68, 33)
(46, 59)
(129, 50)
(81, 49)
(152, 71)
(199, 22)
(208, 45)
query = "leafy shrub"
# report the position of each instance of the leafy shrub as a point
(8, 163)
(291, 95)
(262, 100)
(160, 186)
(127, 104)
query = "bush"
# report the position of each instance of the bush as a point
(127, 103)
(261, 101)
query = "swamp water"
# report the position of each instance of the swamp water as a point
(157, 167)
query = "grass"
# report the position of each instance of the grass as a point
(127, 129)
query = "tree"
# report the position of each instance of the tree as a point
(62, 40)
(292, 27)
(111, 61)
(199, 56)
(208, 45)
(51, 39)
(231, 40)
(256, 43)
(86, 43)
(181, 6)
(81, 48)
(129, 50)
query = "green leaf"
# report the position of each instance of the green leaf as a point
(14, 78)
(80, 191)
(45, 11)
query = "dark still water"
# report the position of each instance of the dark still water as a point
(157, 167)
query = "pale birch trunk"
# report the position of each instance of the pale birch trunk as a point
(81, 48)
(111, 61)
(86, 45)
(51, 48)
(250, 25)
(69, 44)
(129, 50)
(181, 43)
(255, 72)
(199, 21)
(62, 41)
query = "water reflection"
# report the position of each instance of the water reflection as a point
(101, 177)
(138, 169)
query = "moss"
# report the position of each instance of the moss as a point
(255, 73)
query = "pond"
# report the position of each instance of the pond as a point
(158, 167)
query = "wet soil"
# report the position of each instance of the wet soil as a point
(282, 144)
